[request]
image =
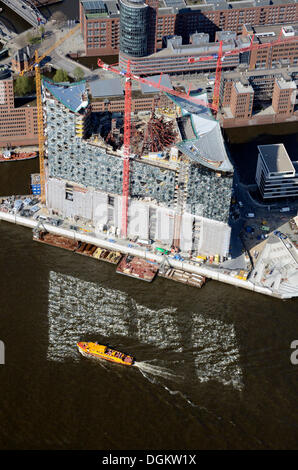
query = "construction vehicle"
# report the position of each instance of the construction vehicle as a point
(36, 67)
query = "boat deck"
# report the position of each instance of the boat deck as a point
(18, 156)
(191, 279)
(85, 249)
(56, 240)
(94, 251)
(138, 268)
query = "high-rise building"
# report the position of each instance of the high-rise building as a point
(134, 27)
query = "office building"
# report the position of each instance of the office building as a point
(276, 175)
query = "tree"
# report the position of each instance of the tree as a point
(41, 31)
(23, 85)
(60, 76)
(78, 74)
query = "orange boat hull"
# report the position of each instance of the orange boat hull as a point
(103, 352)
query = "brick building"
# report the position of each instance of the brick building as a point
(100, 20)
(283, 97)
(243, 93)
(283, 53)
(18, 124)
(241, 103)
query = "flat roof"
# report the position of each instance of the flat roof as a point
(286, 84)
(241, 88)
(276, 158)
(109, 87)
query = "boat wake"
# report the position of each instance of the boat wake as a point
(154, 373)
(146, 368)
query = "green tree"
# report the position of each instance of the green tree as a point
(78, 74)
(60, 76)
(41, 31)
(23, 85)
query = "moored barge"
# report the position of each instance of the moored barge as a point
(138, 268)
(191, 279)
(93, 251)
(55, 240)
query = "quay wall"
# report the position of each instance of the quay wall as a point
(208, 272)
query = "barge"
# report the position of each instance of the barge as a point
(76, 246)
(138, 268)
(100, 351)
(55, 240)
(191, 279)
(93, 251)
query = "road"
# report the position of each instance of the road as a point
(27, 12)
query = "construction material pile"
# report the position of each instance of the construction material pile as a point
(159, 134)
(137, 267)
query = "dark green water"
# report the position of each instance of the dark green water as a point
(214, 364)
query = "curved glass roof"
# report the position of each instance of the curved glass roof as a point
(72, 95)
(208, 147)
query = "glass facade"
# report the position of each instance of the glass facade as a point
(134, 16)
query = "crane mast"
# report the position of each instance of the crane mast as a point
(127, 135)
(127, 125)
(40, 128)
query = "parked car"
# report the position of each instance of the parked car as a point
(280, 235)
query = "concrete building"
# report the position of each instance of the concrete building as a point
(179, 197)
(18, 124)
(176, 56)
(276, 175)
(100, 20)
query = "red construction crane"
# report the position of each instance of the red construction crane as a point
(127, 124)
(221, 56)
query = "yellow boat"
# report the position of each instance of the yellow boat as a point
(100, 351)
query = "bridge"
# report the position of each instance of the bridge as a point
(26, 10)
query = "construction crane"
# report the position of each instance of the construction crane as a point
(220, 56)
(127, 124)
(36, 66)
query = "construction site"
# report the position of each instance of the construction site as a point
(179, 176)
(135, 170)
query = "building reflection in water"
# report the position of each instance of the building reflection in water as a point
(80, 309)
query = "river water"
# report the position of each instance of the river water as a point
(214, 369)
(213, 364)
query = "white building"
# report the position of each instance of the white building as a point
(276, 175)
